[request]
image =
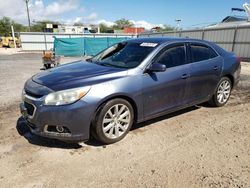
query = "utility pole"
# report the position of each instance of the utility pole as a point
(13, 35)
(27, 7)
(178, 22)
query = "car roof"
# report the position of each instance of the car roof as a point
(162, 40)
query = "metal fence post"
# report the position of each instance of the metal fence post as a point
(203, 34)
(234, 38)
(45, 41)
(180, 33)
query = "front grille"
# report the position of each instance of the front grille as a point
(30, 108)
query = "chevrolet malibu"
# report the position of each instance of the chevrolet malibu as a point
(128, 83)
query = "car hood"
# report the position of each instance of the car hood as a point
(77, 74)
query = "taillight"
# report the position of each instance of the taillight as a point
(238, 59)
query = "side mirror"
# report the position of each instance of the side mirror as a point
(157, 67)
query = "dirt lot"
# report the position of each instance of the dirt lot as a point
(196, 147)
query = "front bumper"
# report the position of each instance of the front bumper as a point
(76, 118)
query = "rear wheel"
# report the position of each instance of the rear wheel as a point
(113, 121)
(222, 93)
(11, 44)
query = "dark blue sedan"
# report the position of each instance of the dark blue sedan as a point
(127, 83)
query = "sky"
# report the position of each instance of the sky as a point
(143, 13)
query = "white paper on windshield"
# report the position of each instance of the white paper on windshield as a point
(149, 44)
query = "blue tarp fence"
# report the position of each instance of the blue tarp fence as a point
(83, 46)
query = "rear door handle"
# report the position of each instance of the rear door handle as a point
(185, 76)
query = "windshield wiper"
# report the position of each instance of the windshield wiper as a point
(110, 65)
(89, 60)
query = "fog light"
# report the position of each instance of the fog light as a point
(60, 129)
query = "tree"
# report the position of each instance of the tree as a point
(167, 28)
(122, 23)
(41, 25)
(5, 26)
(19, 27)
(38, 27)
(78, 24)
(104, 28)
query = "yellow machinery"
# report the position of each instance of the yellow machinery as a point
(9, 42)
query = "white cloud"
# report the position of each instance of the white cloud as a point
(92, 17)
(141, 23)
(38, 10)
(145, 24)
(108, 23)
(77, 19)
(57, 10)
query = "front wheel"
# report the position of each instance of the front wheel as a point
(222, 93)
(113, 121)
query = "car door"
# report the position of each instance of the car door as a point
(164, 91)
(205, 72)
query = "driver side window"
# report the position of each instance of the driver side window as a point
(173, 56)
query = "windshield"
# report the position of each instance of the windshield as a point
(124, 55)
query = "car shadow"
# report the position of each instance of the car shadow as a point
(164, 117)
(24, 131)
(93, 142)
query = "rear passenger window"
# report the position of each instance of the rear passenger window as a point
(172, 57)
(201, 53)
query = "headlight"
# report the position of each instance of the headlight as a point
(66, 96)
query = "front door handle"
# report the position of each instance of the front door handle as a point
(216, 68)
(185, 76)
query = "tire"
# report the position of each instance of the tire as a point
(11, 44)
(222, 93)
(47, 66)
(113, 121)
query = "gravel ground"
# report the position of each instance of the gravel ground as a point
(195, 147)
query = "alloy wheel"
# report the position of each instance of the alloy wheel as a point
(223, 92)
(116, 121)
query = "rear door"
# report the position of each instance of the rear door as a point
(206, 66)
(166, 90)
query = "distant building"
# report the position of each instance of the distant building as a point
(133, 30)
(57, 28)
(73, 29)
(118, 31)
(156, 29)
(51, 28)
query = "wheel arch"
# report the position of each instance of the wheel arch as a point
(230, 77)
(120, 96)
